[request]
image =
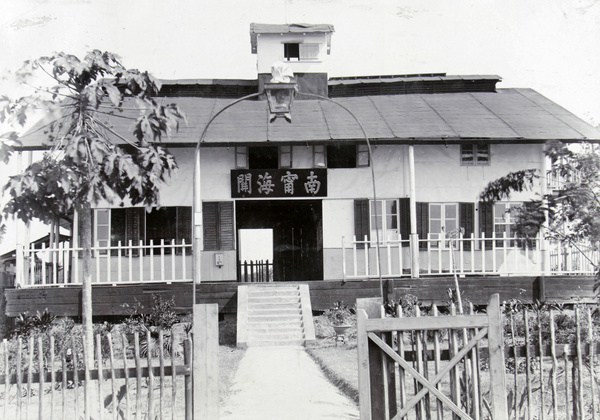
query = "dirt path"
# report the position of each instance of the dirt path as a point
(283, 383)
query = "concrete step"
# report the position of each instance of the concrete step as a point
(272, 291)
(274, 318)
(275, 299)
(276, 326)
(273, 315)
(265, 343)
(259, 336)
(274, 311)
(276, 323)
(274, 307)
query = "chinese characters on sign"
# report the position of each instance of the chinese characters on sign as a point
(269, 183)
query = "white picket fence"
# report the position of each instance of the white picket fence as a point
(60, 265)
(440, 256)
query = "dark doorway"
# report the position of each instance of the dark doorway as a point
(297, 235)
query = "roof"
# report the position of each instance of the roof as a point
(508, 115)
(299, 28)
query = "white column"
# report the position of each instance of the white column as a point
(198, 233)
(20, 233)
(414, 240)
(545, 251)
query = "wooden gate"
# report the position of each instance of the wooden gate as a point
(431, 367)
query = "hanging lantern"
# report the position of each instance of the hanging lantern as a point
(280, 97)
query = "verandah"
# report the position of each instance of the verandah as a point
(438, 256)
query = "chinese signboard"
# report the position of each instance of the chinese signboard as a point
(268, 183)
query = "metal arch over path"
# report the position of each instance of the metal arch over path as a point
(197, 201)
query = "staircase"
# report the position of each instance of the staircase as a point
(274, 314)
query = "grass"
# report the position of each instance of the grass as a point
(229, 357)
(339, 363)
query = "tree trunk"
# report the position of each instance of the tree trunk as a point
(85, 218)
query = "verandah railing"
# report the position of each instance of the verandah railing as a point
(441, 256)
(62, 264)
(256, 271)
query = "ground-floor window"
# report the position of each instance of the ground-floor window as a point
(505, 223)
(385, 219)
(443, 223)
(134, 224)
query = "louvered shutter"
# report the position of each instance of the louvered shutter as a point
(405, 219)
(486, 221)
(466, 214)
(226, 225)
(422, 223)
(210, 221)
(361, 220)
(134, 227)
(218, 226)
(117, 227)
(184, 225)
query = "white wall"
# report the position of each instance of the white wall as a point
(338, 221)
(440, 177)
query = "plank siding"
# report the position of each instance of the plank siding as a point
(112, 300)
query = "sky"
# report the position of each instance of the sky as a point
(552, 46)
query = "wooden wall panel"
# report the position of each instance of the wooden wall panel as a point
(111, 300)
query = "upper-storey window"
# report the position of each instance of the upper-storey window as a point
(341, 156)
(475, 154)
(263, 157)
(285, 156)
(300, 52)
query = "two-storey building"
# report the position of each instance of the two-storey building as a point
(309, 200)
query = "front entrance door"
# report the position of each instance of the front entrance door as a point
(297, 235)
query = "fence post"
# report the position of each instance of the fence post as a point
(205, 364)
(378, 372)
(496, 354)
(364, 395)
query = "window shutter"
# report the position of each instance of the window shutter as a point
(210, 216)
(117, 227)
(486, 221)
(184, 225)
(405, 219)
(135, 220)
(422, 223)
(466, 214)
(226, 225)
(218, 225)
(361, 220)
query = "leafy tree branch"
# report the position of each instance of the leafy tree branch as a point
(87, 161)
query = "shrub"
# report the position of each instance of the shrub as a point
(27, 325)
(341, 314)
(161, 317)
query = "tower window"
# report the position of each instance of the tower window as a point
(301, 52)
(291, 52)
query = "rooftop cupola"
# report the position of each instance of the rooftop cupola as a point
(304, 47)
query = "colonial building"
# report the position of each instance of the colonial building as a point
(373, 178)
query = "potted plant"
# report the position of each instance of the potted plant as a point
(341, 317)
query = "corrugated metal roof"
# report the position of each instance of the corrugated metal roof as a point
(268, 28)
(505, 116)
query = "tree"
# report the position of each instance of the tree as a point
(87, 160)
(8, 141)
(570, 210)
